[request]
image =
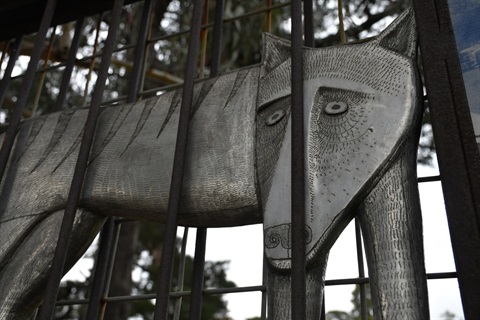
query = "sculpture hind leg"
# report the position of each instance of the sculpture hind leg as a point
(24, 275)
(391, 222)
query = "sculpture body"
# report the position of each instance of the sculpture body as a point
(362, 116)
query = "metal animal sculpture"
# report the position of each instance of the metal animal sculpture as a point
(362, 115)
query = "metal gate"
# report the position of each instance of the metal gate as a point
(458, 156)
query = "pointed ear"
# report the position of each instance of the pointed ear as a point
(401, 36)
(275, 51)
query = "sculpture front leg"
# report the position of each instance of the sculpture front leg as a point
(392, 229)
(279, 292)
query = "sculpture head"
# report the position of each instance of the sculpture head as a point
(361, 101)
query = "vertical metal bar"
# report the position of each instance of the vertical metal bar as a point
(200, 245)
(341, 27)
(67, 73)
(457, 151)
(8, 70)
(361, 271)
(268, 17)
(217, 38)
(263, 314)
(147, 44)
(203, 40)
(101, 269)
(139, 53)
(181, 275)
(198, 275)
(105, 258)
(112, 255)
(163, 286)
(298, 168)
(309, 29)
(26, 86)
(56, 270)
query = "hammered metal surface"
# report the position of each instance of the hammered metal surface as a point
(128, 175)
(346, 151)
(392, 230)
(219, 180)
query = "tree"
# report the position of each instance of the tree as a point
(355, 313)
(338, 315)
(447, 315)
(356, 300)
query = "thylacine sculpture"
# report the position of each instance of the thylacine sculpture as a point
(362, 115)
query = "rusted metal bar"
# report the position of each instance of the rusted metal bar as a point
(227, 20)
(268, 17)
(203, 40)
(110, 234)
(298, 287)
(56, 271)
(70, 63)
(101, 270)
(139, 57)
(457, 151)
(200, 246)
(147, 52)
(7, 75)
(26, 86)
(112, 254)
(163, 286)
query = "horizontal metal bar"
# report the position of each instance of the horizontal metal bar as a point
(428, 179)
(337, 282)
(170, 86)
(225, 20)
(211, 291)
(441, 275)
(216, 291)
(160, 38)
(365, 280)
(73, 302)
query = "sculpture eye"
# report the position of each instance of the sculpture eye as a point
(339, 115)
(336, 107)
